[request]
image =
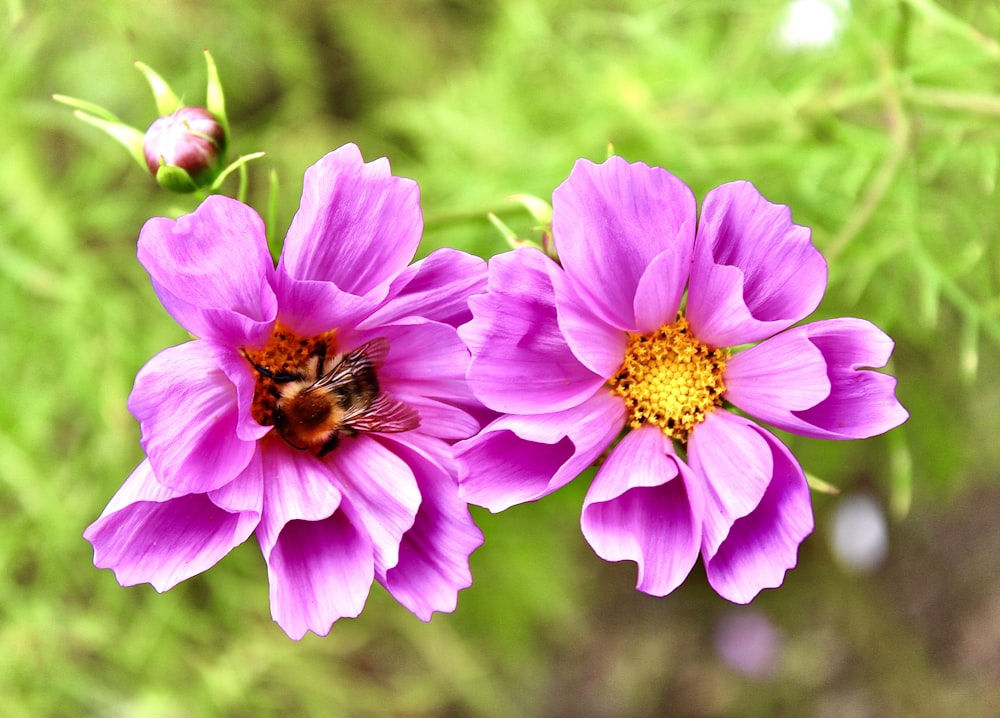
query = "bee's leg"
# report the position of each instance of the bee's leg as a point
(328, 446)
(320, 353)
(276, 378)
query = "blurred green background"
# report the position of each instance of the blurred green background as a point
(884, 137)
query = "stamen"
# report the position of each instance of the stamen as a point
(670, 379)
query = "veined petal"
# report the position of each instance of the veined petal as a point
(736, 462)
(599, 346)
(515, 336)
(382, 490)
(311, 307)
(151, 534)
(320, 562)
(434, 554)
(645, 506)
(425, 369)
(778, 376)
(319, 572)
(610, 221)
(438, 418)
(421, 353)
(763, 545)
(212, 271)
(357, 225)
(754, 273)
(657, 301)
(196, 424)
(436, 288)
(846, 400)
(522, 458)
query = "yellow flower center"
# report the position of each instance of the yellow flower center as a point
(670, 379)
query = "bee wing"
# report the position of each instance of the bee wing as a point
(375, 350)
(385, 415)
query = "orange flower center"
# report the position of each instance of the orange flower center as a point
(285, 354)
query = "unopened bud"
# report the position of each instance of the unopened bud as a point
(189, 141)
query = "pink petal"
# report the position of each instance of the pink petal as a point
(357, 225)
(320, 561)
(213, 271)
(729, 453)
(440, 419)
(311, 307)
(599, 346)
(151, 534)
(383, 493)
(763, 545)
(755, 273)
(515, 335)
(422, 353)
(425, 369)
(645, 506)
(434, 555)
(610, 221)
(778, 376)
(319, 572)
(522, 458)
(838, 399)
(657, 301)
(193, 405)
(436, 288)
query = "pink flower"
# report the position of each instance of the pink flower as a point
(316, 407)
(572, 355)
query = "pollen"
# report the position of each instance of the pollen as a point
(670, 379)
(286, 354)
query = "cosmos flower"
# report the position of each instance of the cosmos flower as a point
(316, 407)
(636, 335)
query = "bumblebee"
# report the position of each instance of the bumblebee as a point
(330, 397)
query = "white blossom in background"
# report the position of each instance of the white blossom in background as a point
(860, 535)
(812, 24)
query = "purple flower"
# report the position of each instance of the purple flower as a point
(573, 354)
(316, 407)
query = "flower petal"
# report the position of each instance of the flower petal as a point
(425, 369)
(838, 399)
(657, 301)
(212, 271)
(599, 346)
(436, 288)
(357, 225)
(151, 534)
(434, 555)
(610, 221)
(320, 562)
(311, 307)
(754, 273)
(645, 506)
(383, 492)
(515, 333)
(319, 572)
(780, 375)
(735, 461)
(193, 405)
(522, 458)
(763, 545)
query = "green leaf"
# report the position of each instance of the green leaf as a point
(167, 101)
(215, 101)
(129, 137)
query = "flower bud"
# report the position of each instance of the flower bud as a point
(185, 148)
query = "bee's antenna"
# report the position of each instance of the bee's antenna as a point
(276, 378)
